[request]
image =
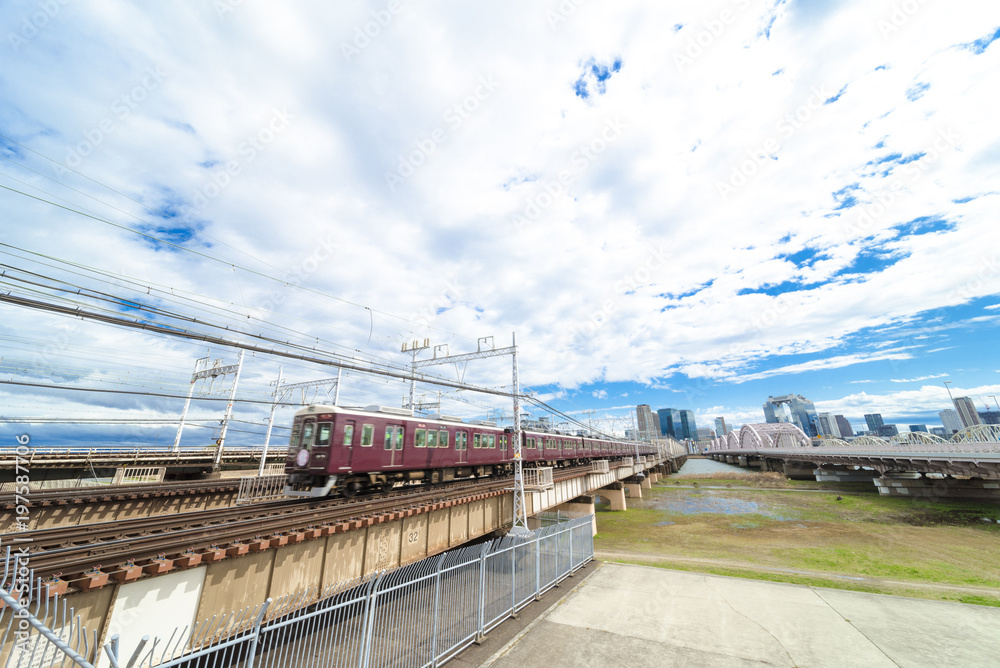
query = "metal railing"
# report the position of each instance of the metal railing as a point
(254, 489)
(599, 466)
(538, 478)
(135, 476)
(626, 462)
(420, 615)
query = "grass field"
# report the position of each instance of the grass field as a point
(789, 532)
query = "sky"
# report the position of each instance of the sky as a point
(683, 204)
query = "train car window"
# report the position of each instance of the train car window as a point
(307, 433)
(443, 438)
(399, 438)
(420, 438)
(503, 442)
(476, 440)
(367, 435)
(388, 438)
(293, 442)
(493, 441)
(323, 434)
(432, 438)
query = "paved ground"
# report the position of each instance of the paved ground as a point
(636, 616)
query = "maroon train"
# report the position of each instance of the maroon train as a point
(345, 451)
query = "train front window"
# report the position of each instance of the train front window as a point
(323, 435)
(308, 430)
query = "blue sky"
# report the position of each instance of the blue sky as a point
(693, 205)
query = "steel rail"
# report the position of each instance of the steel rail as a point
(53, 496)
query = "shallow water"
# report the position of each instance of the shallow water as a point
(700, 466)
(714, 503)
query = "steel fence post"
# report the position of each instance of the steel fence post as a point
(482, 592)
(572, 566)
(364, 648)
(513, 581)
(538, 564)
(256, 632)
(437, 616)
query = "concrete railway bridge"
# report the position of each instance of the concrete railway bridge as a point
(133, 596)
(913, 464)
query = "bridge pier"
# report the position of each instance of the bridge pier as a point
(634, 489)
(646, 483)
(939, 488)
(837, 473)
(800, 470)
(615, 496)
(581, 507)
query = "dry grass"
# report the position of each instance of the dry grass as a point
(902, 546)
(758, 478)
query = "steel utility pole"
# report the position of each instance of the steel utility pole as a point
(520, 520)
(414, 350)
(485, 348)
(270, 424)
(229, 414)
(195, 377)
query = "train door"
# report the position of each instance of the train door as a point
(462, 446)
(344, 440)
(305, 445)
(392, 453)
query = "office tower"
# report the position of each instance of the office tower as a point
(874, 421)
(792, 408)
(967, 412)
(989, 417)
(826, 425)
(657, 432)
(919, 427)
(687, 423)
(888, 430)
(720, 427)
(644, 419)
(669, 417)
(949, 419)
(845, 428)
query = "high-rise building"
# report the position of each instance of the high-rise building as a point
(720, 427)
(678, 423)
(644, 419)
(874, 421)
(688, 425)
(940, 431)
(656, 426)
(949, 419)
(989, 417)
(792, 408)
(668, 418)
(967, 412)
(888, 430)
(705, 434)
(919, 427)
(844, 426)
(826, 425)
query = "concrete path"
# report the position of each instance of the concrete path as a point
(636, 616)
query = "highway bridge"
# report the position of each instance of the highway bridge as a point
(913, 464)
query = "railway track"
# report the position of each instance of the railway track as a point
(76, 549)
(82, 495)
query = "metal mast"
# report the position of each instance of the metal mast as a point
(520, 519)
(195, 377)
(270, 423)
(229, 413)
